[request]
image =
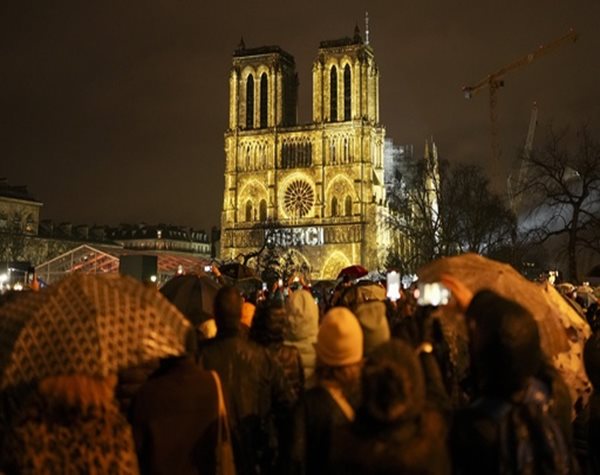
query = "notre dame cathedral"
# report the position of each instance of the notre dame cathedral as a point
(317, 188)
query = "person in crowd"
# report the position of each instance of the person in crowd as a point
(268, 328)
(396, 430)
(508, 427)
(372, 318)
(303, 326)
(248, 311)
(331, 403)
(174, 417)
(591, 358)
(255, 389)
(70, 424)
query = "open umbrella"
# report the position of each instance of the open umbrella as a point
(235, 270)
(193, 295)
(556, 318)
(86, 324)
(478, 273)
(353, 272)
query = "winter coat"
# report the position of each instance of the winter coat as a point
(58, 439)
(256, 395)
(316, 419)
(130, 381)
(410, 448)
(493, 435)
(303, 314)
(174, 419)
(290, 361)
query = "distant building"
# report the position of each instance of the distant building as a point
(24, 237)
(160, 238)
(322, 183)
(19, 210)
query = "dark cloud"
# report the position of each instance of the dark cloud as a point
(115, 111)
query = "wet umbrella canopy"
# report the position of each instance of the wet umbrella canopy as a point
(193, 295)
(353, 272)
(86, 324)
(563, 331)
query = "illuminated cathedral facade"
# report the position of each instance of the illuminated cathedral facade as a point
(316, 189)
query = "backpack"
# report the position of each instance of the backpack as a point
(530, 440)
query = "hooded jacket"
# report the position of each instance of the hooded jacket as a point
(303, 315)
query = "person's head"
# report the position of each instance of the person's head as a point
(269, 324)
(373, 321)
(504, 342)
(228, 310)
(303, 314)
(248, 311)
(339, 346)
(393, 386)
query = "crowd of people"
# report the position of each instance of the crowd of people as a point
(346, 382)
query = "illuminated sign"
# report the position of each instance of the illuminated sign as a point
(309, 236)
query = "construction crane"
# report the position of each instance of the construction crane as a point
(514, 187)
(495, 81)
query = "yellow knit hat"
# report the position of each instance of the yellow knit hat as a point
(340, 338)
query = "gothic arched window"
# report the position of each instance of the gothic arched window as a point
(333, 90)
(348, 206)
(262, 210)
(250, 102)
(332, 150)
(264, 100)
(248, 210)
(334, 206)
(347, 93)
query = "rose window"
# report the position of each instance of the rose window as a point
(299, 198)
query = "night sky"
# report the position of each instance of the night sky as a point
(114, 111)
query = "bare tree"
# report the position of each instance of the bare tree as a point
(561, 186)
(457, 212)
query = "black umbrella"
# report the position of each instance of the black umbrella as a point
(193, 295)
(236, 271)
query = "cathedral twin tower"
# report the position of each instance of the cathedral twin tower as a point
(316, 189)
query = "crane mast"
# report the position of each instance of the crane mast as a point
(495, 80)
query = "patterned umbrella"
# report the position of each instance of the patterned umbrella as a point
(86, 324)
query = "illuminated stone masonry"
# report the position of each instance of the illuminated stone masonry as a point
(321, 183)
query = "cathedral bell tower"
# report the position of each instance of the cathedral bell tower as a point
(263, 88)
(345, 81)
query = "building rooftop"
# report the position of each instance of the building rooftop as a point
(242, 51)
(346, 41)
(18, 192)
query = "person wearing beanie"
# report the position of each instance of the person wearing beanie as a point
(303, 326)
(396, 430)
(254, 386)
(373, 321)
(331, 403)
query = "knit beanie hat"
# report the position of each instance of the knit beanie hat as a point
(340, 338)
(374, 324)
(247, 313)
